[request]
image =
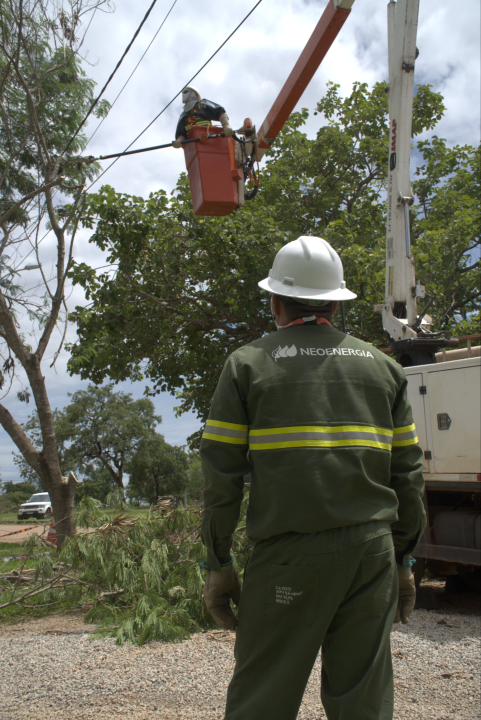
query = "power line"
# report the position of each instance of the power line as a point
(176, 96)
(110, 78)
(135, 68)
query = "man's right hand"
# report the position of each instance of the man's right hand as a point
(177, 143)
(222, 586)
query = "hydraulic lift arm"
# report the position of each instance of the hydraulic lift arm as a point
(399, 312)
(413, 344)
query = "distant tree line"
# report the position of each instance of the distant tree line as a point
(103, 436)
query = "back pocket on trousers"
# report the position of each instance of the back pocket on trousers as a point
(375, 594)
(291, 594)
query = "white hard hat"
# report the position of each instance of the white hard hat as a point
(192, 89)
(307, 269)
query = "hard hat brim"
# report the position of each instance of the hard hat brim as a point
(303, 293)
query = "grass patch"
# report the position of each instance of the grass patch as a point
(10, 518)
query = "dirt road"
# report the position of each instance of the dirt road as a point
(21, 532)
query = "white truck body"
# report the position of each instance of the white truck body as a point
(445, 398)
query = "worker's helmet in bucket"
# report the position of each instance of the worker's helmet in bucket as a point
(307, 269)
(190, 94)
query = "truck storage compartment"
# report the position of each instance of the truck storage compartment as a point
(453, 396)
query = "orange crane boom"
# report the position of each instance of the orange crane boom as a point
(325, 32)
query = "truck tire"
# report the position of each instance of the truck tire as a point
(472, 578)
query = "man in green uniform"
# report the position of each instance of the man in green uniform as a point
(322, 423)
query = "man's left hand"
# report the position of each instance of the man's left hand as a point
(222, 586)
(407, 595)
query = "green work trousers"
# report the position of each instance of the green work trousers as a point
(336, 590)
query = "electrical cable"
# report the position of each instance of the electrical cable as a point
(180, 91)
(157, 147)
(135, 68)
(110, 78)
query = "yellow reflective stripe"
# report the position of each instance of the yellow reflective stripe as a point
(323, 429)
(204, 123)
(410, 441)
(319, 443)
(226, 432)
(406, 428)
(224, 439)
(222, 424)
(405, 436)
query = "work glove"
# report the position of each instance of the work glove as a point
(177, 143)
(407, 595)
(228, 131)
(222, 586)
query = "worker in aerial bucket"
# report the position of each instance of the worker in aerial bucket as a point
(199, 111)
(322, 423)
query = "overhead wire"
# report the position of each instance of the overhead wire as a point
(133, 71)
(110, 78)
(180, 91)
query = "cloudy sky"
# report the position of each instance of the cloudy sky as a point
(245, 77)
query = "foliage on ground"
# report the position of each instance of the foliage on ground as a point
(138, 577)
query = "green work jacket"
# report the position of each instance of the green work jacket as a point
(322, 423)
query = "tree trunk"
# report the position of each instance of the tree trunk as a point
(62, 497)
(44, 462)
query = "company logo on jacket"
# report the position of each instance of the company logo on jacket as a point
(286, 351)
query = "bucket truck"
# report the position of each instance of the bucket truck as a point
(444, 392)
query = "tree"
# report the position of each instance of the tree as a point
(44, 95)
(17, 493)
(156, 469)
(195, 477)
(102, 430)
(447, 230)
(97, 434)
(99, 485)
(191, 282)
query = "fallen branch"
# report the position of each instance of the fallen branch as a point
(104, 595)
(48, 586)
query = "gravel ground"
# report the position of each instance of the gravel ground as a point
(51, 669)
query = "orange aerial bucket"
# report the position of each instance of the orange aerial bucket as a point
(213, 172)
